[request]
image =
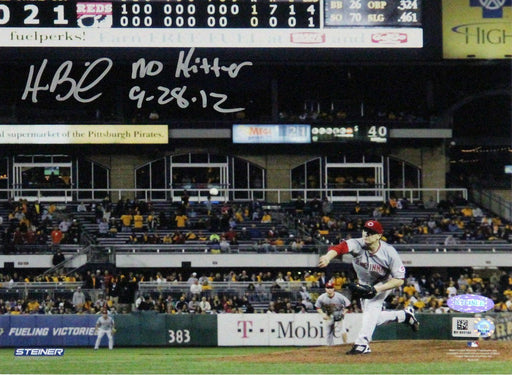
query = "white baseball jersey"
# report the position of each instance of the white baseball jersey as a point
(379, 267)
(331, 304)
(106, 324)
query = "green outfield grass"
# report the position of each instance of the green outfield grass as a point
(206, 361)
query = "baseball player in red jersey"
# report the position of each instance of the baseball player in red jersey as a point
(379, 270)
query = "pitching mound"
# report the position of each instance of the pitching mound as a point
(409, 351)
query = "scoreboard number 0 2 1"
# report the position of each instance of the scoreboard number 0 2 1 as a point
(31, 15)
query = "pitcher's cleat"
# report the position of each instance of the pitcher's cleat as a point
(359, 349)
(411, 319)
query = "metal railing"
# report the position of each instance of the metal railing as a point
(36, 290)
(208, 248)
(67, 262)
(477, 246)
(259, 294)
(240, 286)
(273, 195)
(493, 202)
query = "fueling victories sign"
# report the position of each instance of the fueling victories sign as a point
(477, 29)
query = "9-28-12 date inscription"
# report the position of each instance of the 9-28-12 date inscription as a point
(187, 66)
(65, 85)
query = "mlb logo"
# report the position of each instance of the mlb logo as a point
(472, 344)
(95, 15)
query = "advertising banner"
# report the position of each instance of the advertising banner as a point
(477, 29)
(281, 329)
(47, 330)
(84, 134)
(136, 329)
(266, 133)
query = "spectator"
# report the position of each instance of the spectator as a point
(195, 289)
(477, 212)
(327, 206)
(81, 207)
(224, 245)
(126, 220)
(181, 221)
(450, 240)
(138, 221)
(244, 235)
(103, 228)
(64, 225)
(182, 305)
(451, 290)
(57, 236)
(58, 258)
(144, 303)
(78, 300)
(299, 205)
(192, 279)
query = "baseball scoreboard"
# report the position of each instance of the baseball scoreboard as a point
(349, 133)
(213, 23)
(305, 133)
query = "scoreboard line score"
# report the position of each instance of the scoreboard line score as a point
(213, 23)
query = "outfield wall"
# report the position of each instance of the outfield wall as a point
(153, 329)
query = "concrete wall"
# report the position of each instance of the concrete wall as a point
(431, 160)
(122, 170)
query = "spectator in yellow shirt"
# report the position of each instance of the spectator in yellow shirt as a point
(339, 281)
(138, 221)
(33, 306)
(310, 279)
(167, 238)
(15, 311)
(126, 220)
(409, 289)
(419, 304)
(239, 215)
(181, 221)
(267, 218)
(467, 211)
(191, 236)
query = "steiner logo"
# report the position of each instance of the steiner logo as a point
(39, 352)
(470, 303)
(307, 38)
(389, 38)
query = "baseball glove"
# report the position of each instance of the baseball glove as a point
(362, 291)
(337, 316)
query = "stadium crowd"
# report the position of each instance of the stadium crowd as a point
(458, 220)
(299, 225)
(261, 291)
(223, 226)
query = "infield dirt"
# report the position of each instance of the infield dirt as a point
(405, 351)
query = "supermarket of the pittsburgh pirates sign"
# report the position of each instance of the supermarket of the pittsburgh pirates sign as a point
(83, 134)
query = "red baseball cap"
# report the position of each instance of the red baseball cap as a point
(374, 226)
(329, 284)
